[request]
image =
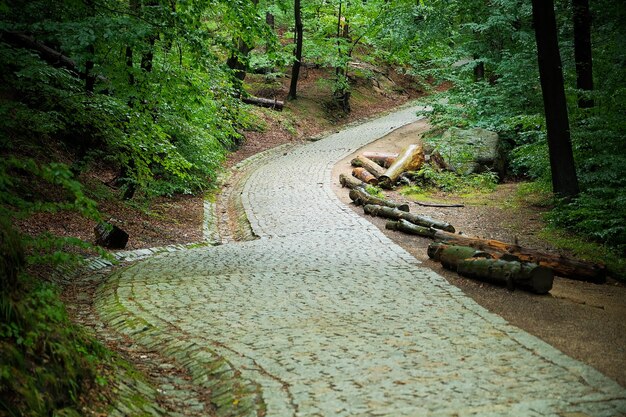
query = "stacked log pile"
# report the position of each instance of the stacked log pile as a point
(483, 259)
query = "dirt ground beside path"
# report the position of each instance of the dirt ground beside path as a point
(583, 320)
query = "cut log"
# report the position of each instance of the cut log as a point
(110, 236)
(410, 228)
(561, 265)
(371, 166)
(361, 197)
(264, 102)
(350, 182)
(514, 274)
(363, 175)
(381, 158)
(411, 159)
(393, 214)
(451, 256)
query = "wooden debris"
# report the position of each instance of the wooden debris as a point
(390, 213)
(363, 175)
(371, 166)
(110, 236)
(264, 102)
(411, 159)
(425, 204)
(382, 158)
(350, 182)
(360, 197)
(475, 264)
(561, 265)
(410, 228)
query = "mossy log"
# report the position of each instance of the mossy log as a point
(389, 213)
(411, 159)
(410, 228)
(363, 175)
(371, 166)
(383, 159)
(451, 256)
(350, 182)
(561, 265)
(360, 197)
(514, 274)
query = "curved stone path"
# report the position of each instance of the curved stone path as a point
(325, 316)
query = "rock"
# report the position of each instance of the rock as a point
(471, 151)
(110, 236)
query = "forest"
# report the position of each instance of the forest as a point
(157, 92)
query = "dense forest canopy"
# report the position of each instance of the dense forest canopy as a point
(152, 89)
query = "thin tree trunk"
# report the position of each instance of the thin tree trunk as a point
(582, 50)
(295, 69)
(564, 180)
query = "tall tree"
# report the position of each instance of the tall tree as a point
(295, 69)
(564, 180)
(582, 50)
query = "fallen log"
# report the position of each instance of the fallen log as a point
(561, 265)
(381, 158)
(424, 204)
(350, 182)
(451, 256)
(410, 228)
(475, 264)
(390, 213)
(361, 197)
(514, 274)
(363, 175)
(411, 159)
(371, 166)
(264, 102)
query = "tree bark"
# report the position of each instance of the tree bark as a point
(295, 69)
(381, 158)
(582, 51)
(264, 102)
(350, 182)
(562, 266)
(410, 159)
(364, 176)
(525, 275)
(410, 228)
(564, 180)
(371, 166)
(360, 197)
(395, 214)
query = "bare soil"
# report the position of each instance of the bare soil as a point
(584, 320)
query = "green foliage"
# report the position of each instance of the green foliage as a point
(429, 178)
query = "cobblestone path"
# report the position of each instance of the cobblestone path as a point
(324, 316)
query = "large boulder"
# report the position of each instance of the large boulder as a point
(471, 151)
(110, 236)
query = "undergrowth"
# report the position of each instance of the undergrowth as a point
(428, 179)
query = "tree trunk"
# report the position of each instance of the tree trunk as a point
(451, 256)
(395, 214)
(364, 176)
(513, 274)
(562, 266)
(350, 182)
(564, 180)
(381, 158)
(410, 159)
(361, 197)
(295, 69)
(410, 228)
(264, 102)
(371, 166)
(582, 50)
